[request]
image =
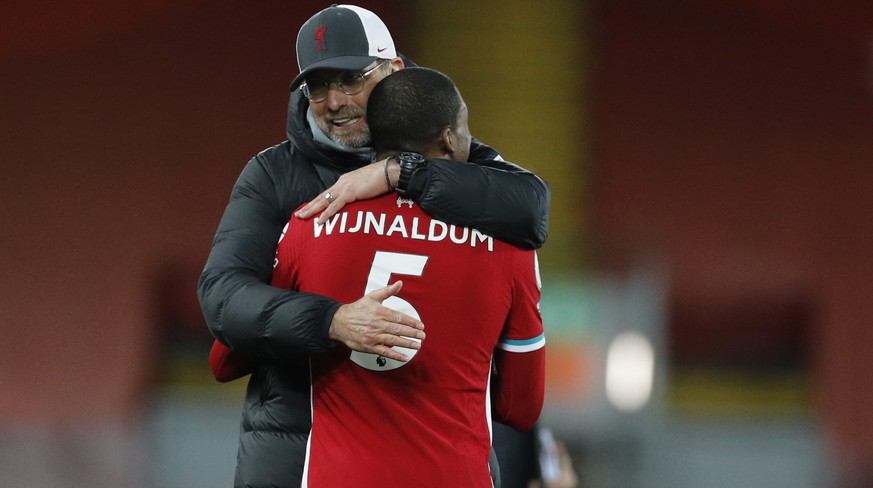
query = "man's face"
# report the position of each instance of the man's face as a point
(463, 133)
(342, 117)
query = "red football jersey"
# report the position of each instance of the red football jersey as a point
(377, 422)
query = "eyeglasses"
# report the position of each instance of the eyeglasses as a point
(348, 82)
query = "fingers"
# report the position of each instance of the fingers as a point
(380, 339)
(361, 184)
(403, 335)
(397, 345)
(327, 206)
(395, 317)
(383, 293)
(317, 204)
(331, 210)
(390, 346)
(368, 326)
(391, 353)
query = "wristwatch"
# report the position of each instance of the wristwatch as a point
(410, 162)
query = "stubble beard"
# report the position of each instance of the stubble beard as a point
(356, 140)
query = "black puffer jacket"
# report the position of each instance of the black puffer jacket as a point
(282, 327)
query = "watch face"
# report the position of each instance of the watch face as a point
(411, 157)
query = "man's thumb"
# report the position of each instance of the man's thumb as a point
(382, 293)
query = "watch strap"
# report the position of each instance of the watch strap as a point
(409, 164)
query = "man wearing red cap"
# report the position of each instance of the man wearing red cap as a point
(343, 51)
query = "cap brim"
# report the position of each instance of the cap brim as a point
(342, 63)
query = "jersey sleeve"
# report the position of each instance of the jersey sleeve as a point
(228, 365)
(518, 384)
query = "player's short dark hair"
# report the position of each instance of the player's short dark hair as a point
(408, 109)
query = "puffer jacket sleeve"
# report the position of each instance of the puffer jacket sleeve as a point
(496, 197)
(241, 310)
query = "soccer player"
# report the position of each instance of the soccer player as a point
(478, 297)
(328, 159)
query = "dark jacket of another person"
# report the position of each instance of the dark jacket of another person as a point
(281, 328)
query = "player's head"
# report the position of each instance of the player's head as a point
(342, 52)
(419, 110)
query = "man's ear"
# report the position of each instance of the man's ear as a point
(448, 142)
(396, 64)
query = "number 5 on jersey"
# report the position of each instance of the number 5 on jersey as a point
(384, 265)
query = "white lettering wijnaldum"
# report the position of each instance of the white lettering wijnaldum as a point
(377, 224)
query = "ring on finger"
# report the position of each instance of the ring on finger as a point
(330, 198)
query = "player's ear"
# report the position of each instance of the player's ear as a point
(448, 142)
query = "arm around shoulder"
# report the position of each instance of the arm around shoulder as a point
(489, 194)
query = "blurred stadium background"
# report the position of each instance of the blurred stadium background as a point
(707, 281)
